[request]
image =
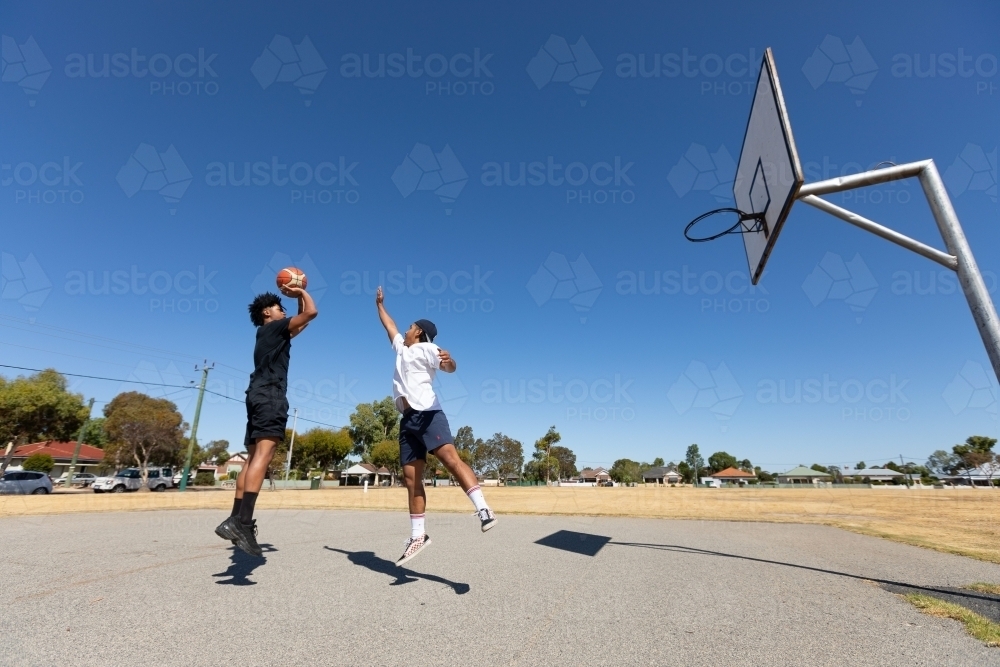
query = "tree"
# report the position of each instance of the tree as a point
(684, 470)
(746, 466)
(386, 454)
(626, 471)
(658, 462)
(144, 430)
(322, 448)
(860, 466)
(818, 468)
(502, 456)
(695, 463)
(566, 459)
(94, 434)
(719, 461)
(544, 463)
(976, 451)
(215, 452)
(942, 463)
(39, 407)
(39, 462)
(373, 422)
(470, 449)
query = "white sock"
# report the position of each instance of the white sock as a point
(476, 496)
(416, 525)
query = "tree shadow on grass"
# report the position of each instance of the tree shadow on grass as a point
(242, 565)
(402, 575)
(956, 595)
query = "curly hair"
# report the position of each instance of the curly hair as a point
(259, 304)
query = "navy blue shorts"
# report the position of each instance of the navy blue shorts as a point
(422, 431)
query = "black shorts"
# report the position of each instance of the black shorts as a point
(422, 431)
(267, 415)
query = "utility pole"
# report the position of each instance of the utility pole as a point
(291, 445)
(76, 450)
(205, 368)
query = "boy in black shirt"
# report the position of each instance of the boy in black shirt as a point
(267, 406)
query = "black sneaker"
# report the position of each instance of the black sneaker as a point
(487, 518)
(246, 536)
(225, 529)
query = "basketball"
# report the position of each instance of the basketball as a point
(291, 277)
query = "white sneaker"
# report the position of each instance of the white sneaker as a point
(413, 546)
(487, 518)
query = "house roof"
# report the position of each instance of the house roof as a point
(734, 473)
(361, 469)
(61, 451)
(383, 471)
(879, 472)
(802, 471)
(657, 472)
(593, 472)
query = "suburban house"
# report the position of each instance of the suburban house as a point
(358, 473)
(877, 474)
(661, 475)
(234, 464)
(62, 455)
(733, 476)
(594, 476)
(984, 475)
(803, 475)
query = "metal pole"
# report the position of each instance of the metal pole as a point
(291, 445)
(983, 311)
(76, 450)
(194, 426)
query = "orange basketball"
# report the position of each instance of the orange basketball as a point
(291, 277)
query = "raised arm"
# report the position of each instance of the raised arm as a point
(307, 310)
(383, 315)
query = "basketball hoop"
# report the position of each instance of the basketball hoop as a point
(746, 223)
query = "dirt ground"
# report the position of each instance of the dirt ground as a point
(964, 522)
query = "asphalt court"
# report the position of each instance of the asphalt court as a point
(161, 588)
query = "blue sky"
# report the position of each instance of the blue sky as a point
(335, 164)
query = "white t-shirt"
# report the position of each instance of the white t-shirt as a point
(416, 367)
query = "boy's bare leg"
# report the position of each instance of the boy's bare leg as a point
(256, 468)
(413, 478)
(458, 468)
(242, 475)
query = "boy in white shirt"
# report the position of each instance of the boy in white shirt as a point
(424, 427)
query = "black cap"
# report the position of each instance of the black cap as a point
(428, 328)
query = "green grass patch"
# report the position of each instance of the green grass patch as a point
(991, 589)
(981, 628)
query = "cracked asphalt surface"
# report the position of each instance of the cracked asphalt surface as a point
(160, 588)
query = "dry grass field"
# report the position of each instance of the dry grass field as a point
(965, 522)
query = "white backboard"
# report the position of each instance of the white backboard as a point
(768, 176)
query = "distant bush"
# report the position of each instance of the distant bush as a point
(204, 479)
(39, 463)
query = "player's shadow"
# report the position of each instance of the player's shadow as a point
(885, 583)
(242, 565)
(402, 575)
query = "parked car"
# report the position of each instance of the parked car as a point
(129, 479)
(84, 479)
(161, 479)
(23, 482)
(180, 473)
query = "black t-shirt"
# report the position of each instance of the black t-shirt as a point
(270, 355)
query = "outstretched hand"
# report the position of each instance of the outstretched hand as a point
(379, 296)
(447, 363)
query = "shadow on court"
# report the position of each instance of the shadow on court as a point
(584, 544)
(982, 603)
(402, 575)
(242, 565)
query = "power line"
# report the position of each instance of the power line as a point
(153, 384)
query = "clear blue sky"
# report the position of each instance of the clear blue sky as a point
(371, 187)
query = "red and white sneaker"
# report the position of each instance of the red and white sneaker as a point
(414, 545)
